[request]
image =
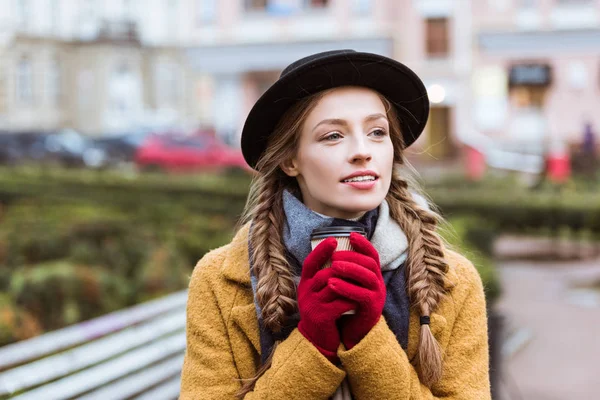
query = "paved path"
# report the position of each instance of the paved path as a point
(561, 361)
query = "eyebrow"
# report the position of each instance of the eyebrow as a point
(343, 122)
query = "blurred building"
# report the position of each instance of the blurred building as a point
(96, 66)
(536, 70)
(521, 74)
(524, 73)
(239, 48)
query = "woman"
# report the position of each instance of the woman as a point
(326, 139)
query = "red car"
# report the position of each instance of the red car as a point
(188, 153)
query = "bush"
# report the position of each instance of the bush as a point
(15, 323)
(473, 239)
(74, 246)
(115, 245)
(516, 211)
(165, 271)
(61, 293)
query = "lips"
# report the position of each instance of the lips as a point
(364, 185)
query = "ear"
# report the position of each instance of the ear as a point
(290, 167)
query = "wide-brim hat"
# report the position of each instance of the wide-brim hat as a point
(330, 69)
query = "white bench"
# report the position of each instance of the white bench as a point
(132, 353)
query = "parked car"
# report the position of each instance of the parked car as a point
(69, 148)
(120, 149)
(9, 151)
(187, 153)
(21, 147)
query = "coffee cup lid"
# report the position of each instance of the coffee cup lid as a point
(338, 231)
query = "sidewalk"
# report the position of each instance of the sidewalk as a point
(560, 358)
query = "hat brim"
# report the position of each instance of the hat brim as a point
(398, 83)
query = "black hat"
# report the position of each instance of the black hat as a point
(312, 74)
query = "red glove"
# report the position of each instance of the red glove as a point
(357, 277)
(319, 306)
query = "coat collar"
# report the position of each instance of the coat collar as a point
(236, 266)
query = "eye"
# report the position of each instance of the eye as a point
(333, 136)
(379, 132)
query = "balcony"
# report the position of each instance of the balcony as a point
(118, 31)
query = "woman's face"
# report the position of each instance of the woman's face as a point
(346, 133)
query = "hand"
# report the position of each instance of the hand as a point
(357, 277)
(320, 307)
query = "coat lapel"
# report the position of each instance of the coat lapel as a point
(244, 318)
(236, 266)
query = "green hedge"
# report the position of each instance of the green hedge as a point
(62, 293)
(509, 207)
(75, 244)
(473, 239)
(136, 238)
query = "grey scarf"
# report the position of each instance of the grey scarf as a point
(385, 235)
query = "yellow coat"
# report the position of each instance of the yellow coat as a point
(223, 342)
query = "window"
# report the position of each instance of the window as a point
(54, 81)
(172, 7)
(3, 91)
(206, 11)
(119, 88)
(88, 20)
(362, 6)
(88, 9)
(285, 7)
(86, 86)
(55, 15)
(437, 37)
(194, 143)
(25, 81)
(128, 10)
(316, 3)
(528, 3)
(23, 13)
(167, 83)
(256, 5)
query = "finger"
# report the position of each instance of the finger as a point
(361, 245)
(333, 301)
(356, 258)
(320, 279)
(352, 292)
(355, 273)
(341, 306)
(319, 256)
(327, 295)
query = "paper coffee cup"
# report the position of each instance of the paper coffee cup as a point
(342, 235)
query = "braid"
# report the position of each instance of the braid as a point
(425, 269)
(276, 290)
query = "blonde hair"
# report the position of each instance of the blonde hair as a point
(276, 291)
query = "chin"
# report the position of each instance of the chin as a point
(363, 204)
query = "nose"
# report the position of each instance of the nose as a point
(360, 151)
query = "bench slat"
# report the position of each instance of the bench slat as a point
(136, 383)
(62, 364)
(166, 391)
(55, 341)
(83, 382)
